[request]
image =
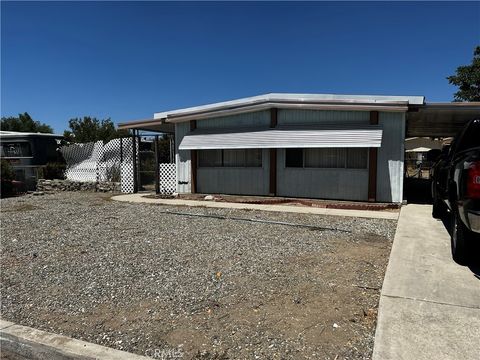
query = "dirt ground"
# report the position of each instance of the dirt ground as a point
(180, 286)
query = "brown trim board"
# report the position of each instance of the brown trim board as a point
(372, 163)
(273, 157)
(193, 162)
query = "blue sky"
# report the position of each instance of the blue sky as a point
(128, 60)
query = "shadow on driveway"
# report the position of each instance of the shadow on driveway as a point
(474, 262)
(418, 191)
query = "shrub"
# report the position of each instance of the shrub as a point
(53, 170)
(6, 176)
(7, 171)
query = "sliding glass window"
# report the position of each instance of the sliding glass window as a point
(327, 158)
(230, 158)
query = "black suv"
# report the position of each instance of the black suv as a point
(456, 190)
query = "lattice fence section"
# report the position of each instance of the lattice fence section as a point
(126, 168)
(96, 161)
(168, 178)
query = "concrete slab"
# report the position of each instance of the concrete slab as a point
(421, 265)
(4, 324)
(140, 198)
(23, 342)
(429, 306)
(422, 330)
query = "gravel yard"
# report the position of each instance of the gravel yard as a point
(171, 286)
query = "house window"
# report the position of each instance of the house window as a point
(16, 149)
(357, 158)
(230, 158)
(327, 158)
(233, 158)
(294, 158)
(210, 158)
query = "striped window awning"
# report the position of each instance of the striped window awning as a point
(283, 137)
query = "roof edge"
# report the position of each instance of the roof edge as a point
(293, 99)
(27, 134)
(269, 105)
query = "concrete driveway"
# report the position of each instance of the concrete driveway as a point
(429, 306)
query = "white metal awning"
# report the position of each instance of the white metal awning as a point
(283, 137)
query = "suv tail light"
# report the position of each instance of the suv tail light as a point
(473, 180)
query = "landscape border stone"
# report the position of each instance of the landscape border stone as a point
(45, 185)
(29, 343)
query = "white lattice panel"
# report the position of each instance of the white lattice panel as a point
(168, 178)
(126, 170)
(109, 164)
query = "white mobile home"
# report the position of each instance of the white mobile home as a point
(346, 147)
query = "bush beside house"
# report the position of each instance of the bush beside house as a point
(7, 176)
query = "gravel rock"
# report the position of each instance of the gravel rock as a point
(137, 278)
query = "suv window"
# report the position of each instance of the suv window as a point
(470, 138)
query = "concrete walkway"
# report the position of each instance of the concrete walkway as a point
(140, 198)
(429, 305)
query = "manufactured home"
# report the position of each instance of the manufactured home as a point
(345, 147)
(27, 153)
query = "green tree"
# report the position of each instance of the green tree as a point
(92, 129)
(467, 79)
(23, 123)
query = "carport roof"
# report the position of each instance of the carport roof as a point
(155, 125)
(440, 119)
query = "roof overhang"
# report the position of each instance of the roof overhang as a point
(162, 120)
(292, 101)
(18, 134)
(155, 125)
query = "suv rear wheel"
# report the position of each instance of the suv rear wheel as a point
(439, 209)
(460, 240)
